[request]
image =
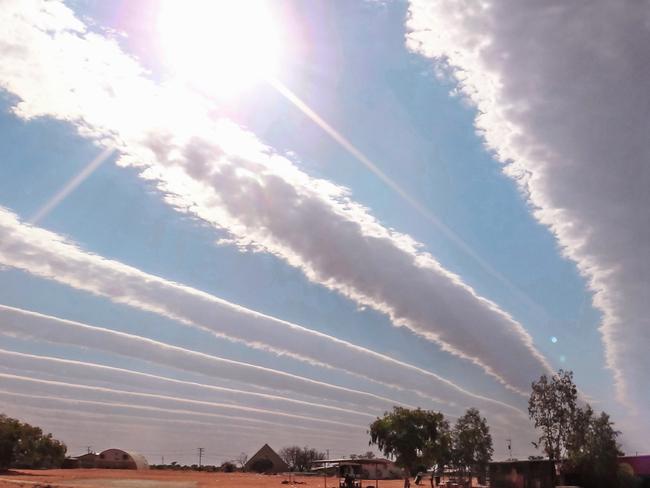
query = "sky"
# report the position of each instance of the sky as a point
(224, 224)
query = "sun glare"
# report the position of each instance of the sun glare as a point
(221, 46)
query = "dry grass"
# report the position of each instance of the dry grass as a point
(113, 478)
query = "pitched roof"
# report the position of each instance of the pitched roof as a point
(266, 452)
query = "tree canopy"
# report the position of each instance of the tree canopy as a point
(414, 438)
(300, 458)
(25, 446)
(593, 453)
(552, 407)
(471, 443)
(586, 444)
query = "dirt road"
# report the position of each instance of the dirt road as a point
(113, 478)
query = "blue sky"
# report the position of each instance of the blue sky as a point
(352, 65)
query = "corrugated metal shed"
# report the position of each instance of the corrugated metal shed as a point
(119, 459)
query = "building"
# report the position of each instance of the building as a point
(376, 468)
(108, 459)
(359, 468)
(369, 469)
(386, 470)
(638, 466)
(266, 460)
(85, 461)
(119, 459)
(538, 473)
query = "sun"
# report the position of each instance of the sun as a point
(221, 46)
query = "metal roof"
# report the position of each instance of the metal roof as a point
(352, 461)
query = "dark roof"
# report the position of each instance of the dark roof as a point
(89, 455)
(352, 461)
(522, 461)
(267, 452)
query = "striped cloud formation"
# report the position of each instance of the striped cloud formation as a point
(291, 265)
(48, 255)
(561, 90)
(211, 168)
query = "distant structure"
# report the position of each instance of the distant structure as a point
(359, 468)
(539, 473)
(522, 474)
(84, 461)
(638, 466)
(266, 460)
(108, 459)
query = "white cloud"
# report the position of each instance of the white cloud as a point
(224, 175)
(562, 94)
(39, 393)
(62, 389)
(48, 255)
(91, 373)
(22, 323)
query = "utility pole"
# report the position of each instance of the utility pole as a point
(509, 444)
(200, 449)
(89, 449)
(163, 460)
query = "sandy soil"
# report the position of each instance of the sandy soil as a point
(114, 478)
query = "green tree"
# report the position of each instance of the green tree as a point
(472, 443)
(552, 407)
(593, 454)
(586, 444)
(9, 436)
(25, 446)
(413, 438)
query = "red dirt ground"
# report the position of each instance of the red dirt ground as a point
(114, 478)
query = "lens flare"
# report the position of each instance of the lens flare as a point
(220, 46)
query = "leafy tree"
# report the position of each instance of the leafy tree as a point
(587, 444)
(9, 435)
(580, 425)
(552, 407)
(307, 457)
(594, 454)
(25, 446)
(413, 438)
(472, 443)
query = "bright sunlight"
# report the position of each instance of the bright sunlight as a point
(221, 47)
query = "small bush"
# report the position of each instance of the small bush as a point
(228, 467)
